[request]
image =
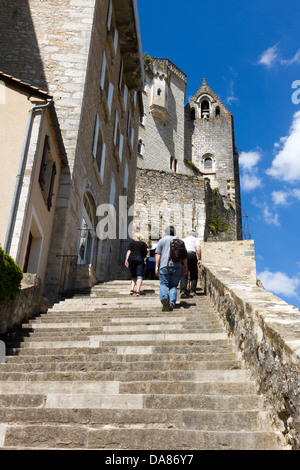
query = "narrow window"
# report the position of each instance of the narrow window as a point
(98, 145)
(109, 15)
(51, 187)
(140, 144)
(103, 71)
(193, 114)
(126, 174)
(173, 163)
(44, 164)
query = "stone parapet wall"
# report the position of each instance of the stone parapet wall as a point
(29, 302)
(234, 256)
(266, 331)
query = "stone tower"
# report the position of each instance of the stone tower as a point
(210, 145)
(187, 167)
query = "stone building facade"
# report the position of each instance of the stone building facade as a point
(87, 55)
(32, 158)
(187, 162)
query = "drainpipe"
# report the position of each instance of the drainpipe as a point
(20, 176)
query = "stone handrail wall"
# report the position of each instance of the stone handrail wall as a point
(266, 331)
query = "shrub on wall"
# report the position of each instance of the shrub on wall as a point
(11, 276)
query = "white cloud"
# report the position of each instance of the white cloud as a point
(286, 164)
(283, 197)
(249, 182)
(231, 98)
(248, 160)
(280, 198)
(279, 283)
(269, 57)
(249, 178)
(269, 217)
(293, 60)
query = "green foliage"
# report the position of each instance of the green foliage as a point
(11, 276)
(216, 224)
(147, 57)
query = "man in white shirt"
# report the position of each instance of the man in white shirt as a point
(192, 244)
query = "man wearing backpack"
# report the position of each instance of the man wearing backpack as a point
(169, 271)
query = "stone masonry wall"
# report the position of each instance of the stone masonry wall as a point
(266, 331)
(27, 303)
(164, 198)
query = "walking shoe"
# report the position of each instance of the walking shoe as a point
(131, 292)
(137, 294)
(192, 294)
(165, 304)
(183, 295)
(171, 306)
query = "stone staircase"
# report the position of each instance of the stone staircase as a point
(111, 371)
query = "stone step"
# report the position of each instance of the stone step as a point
(92, 322)
(16, 360)
(75, 332)
(76, 348)
(113, 371)
(129, 376)
(116, 366)
(30, 389)
(91, 437)
(141, 402)
(179, 419)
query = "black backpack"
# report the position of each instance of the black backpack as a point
(177, 250)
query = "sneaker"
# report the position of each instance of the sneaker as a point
(192, 294)
(182, 295)
(131, 292)
(137, 294)
(171, 306)
(165, 304)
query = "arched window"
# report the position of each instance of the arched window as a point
(208, 164)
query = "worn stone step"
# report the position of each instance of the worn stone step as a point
(75, 332)
(120, 340)
(88, 322)
(77, 348)
(250, 420)
(15, 360)
(86, 437)
(129, 376)
(140, 402)
(218, 387)
(116, 366)
(11, 396)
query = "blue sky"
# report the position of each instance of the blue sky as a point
(249, 53)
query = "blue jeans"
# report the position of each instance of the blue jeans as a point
(169, 277)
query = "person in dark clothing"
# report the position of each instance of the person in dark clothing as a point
(137, 252)
(193, 247)
(150, 264)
